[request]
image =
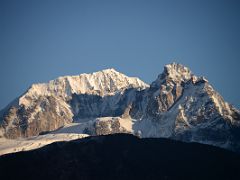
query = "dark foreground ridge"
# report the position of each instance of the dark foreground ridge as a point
(122, 156)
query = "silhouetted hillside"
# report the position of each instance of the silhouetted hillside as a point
(122, 156)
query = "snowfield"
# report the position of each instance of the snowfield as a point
(69, 132)
(11, 146)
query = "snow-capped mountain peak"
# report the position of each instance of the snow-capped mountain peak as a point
(102, 83)
(48, 106)
(177, 105)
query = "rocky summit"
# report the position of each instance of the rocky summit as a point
(177, 105)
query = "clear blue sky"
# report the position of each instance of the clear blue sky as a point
(43, 39)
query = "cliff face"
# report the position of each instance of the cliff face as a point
(182, 106)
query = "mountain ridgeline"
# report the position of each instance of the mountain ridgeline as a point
(177, 105)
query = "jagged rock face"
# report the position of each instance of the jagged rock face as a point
(176, 105)
(92, 106)
(208, 120)
(167, 89)
(109, 126)
(182, 106)
(163, 92)
(46, 114)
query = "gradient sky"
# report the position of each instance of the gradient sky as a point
(43, 39)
